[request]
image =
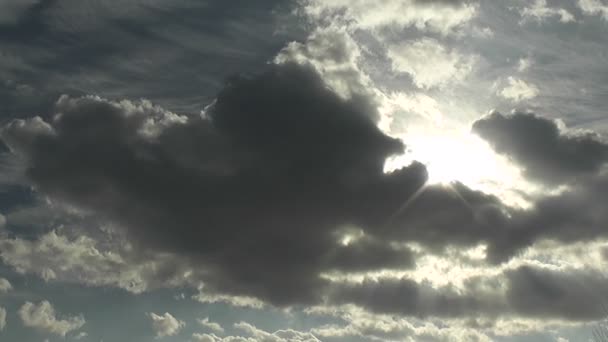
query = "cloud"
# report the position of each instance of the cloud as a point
(2, 318)
(539, 11)
(524, 64)
(254, 334)
(552, 156)
(437, 16)
(288, 335)
(376, 327)
(81, 335)
(165, 325)
(165, 54)
(205, 337)
(594, 7)
(335, 55)
(429, 63)
(546, 153)
(273, 187)
(12, 10)
(210, 297)
(42, 317)
(525, 291)
(518, 90)
(406, 297)
(5, 285)
(211, 325)
(573, 295)
(282, 176)
(54, 256)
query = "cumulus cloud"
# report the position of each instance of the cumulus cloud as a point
(165, 325)
(42, 317)
(518, 90)
(5, 285)
(429, 63)
(274, 187)
(281, 176)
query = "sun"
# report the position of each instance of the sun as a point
(460, 156)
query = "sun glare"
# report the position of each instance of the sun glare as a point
(460, 156)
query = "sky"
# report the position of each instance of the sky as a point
(303, 170)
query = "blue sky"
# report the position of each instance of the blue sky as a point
(310, 170)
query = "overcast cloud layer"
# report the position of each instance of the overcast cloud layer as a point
(315, 170)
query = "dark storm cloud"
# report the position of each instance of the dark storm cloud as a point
(544, 152)
(254, 192)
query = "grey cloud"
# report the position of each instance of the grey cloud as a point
(140, 50)
(253, 192)
(409, 298)
(259, 192)
(531, 292)
(577, 214)
(551, 156)
(538, 145)
(573, 295)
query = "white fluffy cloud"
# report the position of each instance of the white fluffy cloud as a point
(429, 63)
(594, 7)
(42, 317)
(5, 285)
(518, 90)
(166, 324)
